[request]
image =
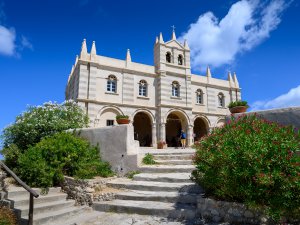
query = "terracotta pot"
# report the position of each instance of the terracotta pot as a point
(238, 109)
(123, 121)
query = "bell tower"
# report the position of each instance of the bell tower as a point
(171, 54)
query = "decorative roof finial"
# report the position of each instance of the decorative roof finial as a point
(93, 50)
(186, 46)
(128, 56)
(235, 80)
(161, 40)
(173, 33)
(208, 73)
(83, 51)
(230, 78)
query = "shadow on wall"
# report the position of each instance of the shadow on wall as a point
(117, 146)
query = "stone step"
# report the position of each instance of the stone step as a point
(174, 162)
(163, 177)
(82, 219)
(56, 216)
(169, 210)
(169, 151)
(51, 197)
(173, 157)
(154, 186)
(45, 207)
(15, 192)
(171, 197)
(166, 168)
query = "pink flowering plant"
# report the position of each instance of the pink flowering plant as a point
(253, 161)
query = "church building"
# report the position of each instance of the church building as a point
(160, 99)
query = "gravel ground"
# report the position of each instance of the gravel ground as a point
(134, 219)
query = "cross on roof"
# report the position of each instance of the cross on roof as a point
(173, 28)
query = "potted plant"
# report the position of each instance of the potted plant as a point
(238, 106)
(122, 119)
(161, 145)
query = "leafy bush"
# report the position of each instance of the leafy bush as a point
(149, 159)
(238, 103)
(38, 122)
(7, 217)
(131, 174)
(46, 163)
(253, 161)
(122, 117)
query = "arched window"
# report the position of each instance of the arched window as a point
(199, 96)
(143, 88)
(168, 57)
(180, 60)
(175, 89)
(221, 100)
(111, 84)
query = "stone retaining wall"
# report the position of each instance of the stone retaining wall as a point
(84, 192)
(283, 116)
(231, 212)
(3, 189)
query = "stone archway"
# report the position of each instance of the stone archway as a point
(143, 129)
(176, 122)
(200, 128)
(107, 116)
(220, 123)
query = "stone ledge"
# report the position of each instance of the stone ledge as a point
(86, 191)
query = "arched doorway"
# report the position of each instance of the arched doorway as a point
(142, 129)
(176, 121)
(200, 128)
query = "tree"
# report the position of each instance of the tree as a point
(38, 122)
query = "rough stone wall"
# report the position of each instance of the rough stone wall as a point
(3, 188)
(231, 212)
(84, 192)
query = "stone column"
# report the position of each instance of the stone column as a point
(154, 137)
(190, 139)
(162, 132)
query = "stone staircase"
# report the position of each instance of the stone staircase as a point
(52, 208)
(163, 189)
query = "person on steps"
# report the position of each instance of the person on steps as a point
(183, 139)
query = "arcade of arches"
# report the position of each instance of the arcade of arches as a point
(176, 121)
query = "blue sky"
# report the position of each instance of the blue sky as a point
(39, 40)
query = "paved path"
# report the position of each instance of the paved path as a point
(135, 219)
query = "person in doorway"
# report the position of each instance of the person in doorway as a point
(183, 138)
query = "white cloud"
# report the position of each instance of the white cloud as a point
(292, 98)
(247, 23)
(7, 41)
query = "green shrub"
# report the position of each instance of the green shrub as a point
(122, 117)
(130, 174)
(238, 103)
(7, 217)
(46, 163)
(253, 161)
(149, 159)
(38, 122)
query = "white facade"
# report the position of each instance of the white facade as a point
(160, 100)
